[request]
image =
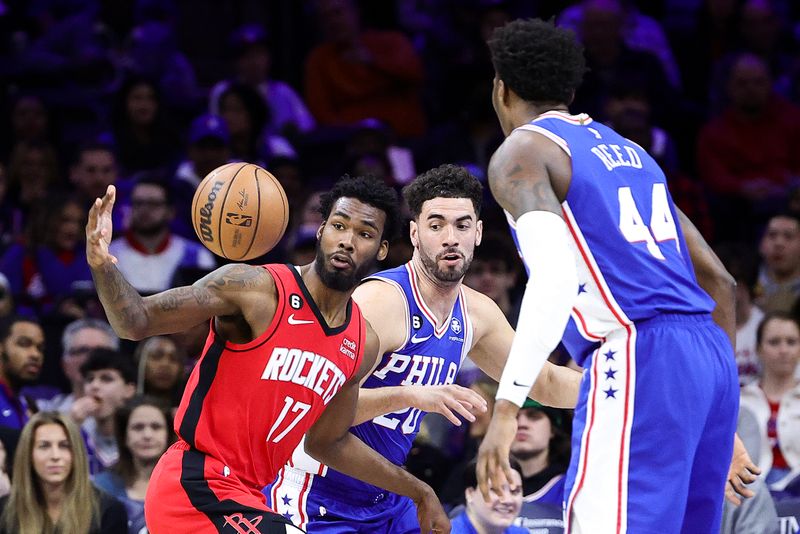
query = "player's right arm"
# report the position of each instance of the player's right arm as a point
(329, 441)
(224, 292)
(382, 305)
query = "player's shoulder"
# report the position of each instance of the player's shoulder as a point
(379, 293)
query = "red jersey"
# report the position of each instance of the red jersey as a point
(249, 405)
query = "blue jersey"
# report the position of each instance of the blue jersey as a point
(431, 355)
(633, 263)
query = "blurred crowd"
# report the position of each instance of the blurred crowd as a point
(151, 95)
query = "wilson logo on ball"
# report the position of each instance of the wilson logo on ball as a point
(205, 212)
(237, 219)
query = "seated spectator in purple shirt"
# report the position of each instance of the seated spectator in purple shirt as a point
(21, 358)
(51, 266)
(250, 50)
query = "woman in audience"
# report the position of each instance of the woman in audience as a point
(51, 491)
(143, 430)
(775, 399)
(161, 370)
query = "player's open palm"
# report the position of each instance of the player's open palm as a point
(430, 514)
(449, 400)
(99, 230)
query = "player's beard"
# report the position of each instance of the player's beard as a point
(339, 280)
(445, 275)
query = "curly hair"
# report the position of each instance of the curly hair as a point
(444, 181)
(537, 60)
(368, 190)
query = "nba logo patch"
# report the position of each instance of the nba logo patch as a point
(455, 326)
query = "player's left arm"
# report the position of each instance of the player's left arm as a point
(522, 176)
(555, 386)
(721, 286)
(330, 442)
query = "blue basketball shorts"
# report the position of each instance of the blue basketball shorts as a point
(653, 430)
(293, 496)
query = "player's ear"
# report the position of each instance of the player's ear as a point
(413, 230)
(478, 232)
(319, 230)
(383, 251)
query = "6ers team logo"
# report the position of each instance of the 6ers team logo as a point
(455, 326)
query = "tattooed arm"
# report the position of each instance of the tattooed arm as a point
(712, 277)
(529, 173)
(232, 290)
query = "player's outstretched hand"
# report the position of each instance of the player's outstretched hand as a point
(431, 516)
(99, 229)
(448, 399)
(741, 472)
(493, 469)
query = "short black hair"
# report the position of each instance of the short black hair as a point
(156, 179)
(471, 477)
(8, 322)
(103, 358)
(369, 190)
(444, 181)
(537, 60)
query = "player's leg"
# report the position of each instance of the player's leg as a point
(292, 495)
(712, 459)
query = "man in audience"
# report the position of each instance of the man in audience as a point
(750, 154)
(496, 516)
(109, 380)
(21, 359)
(778, 284)
(149, 253)
(78, 340)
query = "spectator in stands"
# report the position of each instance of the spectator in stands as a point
(356, 74)
(609, 60)
(750, 154)
(161, 365)
(496, 516)
(246, 116)
(542, 449)
(143, 136)
(153, 53)
(30, 121)
(778, 286)
(149, 253)
(452, 492)
(6, 301)
(740, 261)
(21, 359)
(51, 490)
(80, 337)
(209, 148)
(144, 431)
(640, 32)
(48, 268)
(493, 273)
(762, 33)
(93, 170)
(775, 399)
(109, 381)
(252, 60)
(32, 172)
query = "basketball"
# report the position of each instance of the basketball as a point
(240, 211)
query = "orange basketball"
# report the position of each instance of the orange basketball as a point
(240, 211)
